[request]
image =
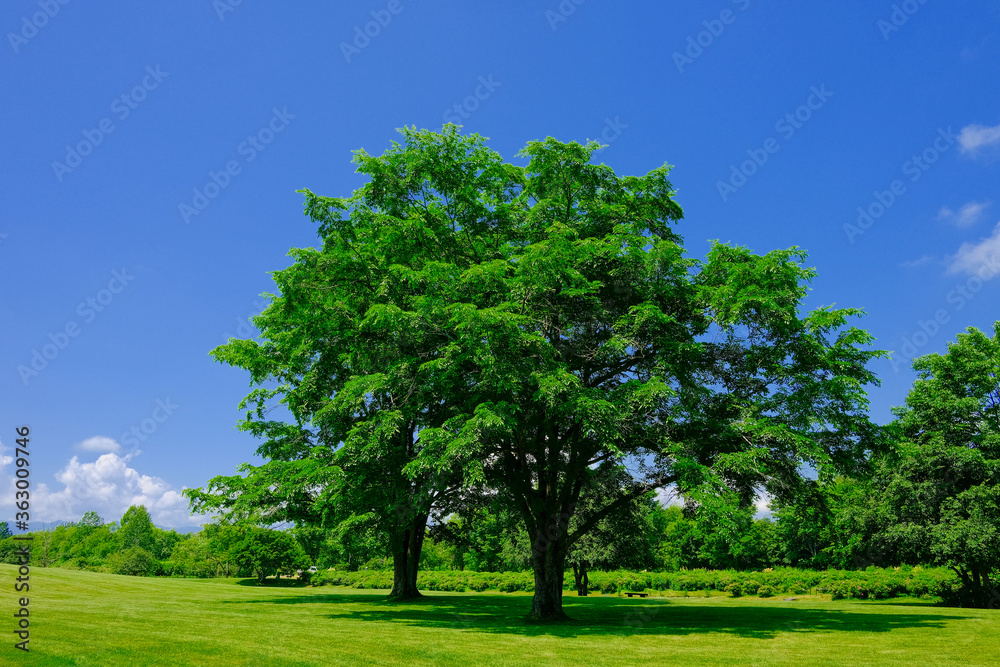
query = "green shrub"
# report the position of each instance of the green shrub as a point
(136, 562)
(840, 584)
(509, 586)
(798, 588)
(478, 585)
(838, 590)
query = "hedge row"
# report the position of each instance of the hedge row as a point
(873, 583)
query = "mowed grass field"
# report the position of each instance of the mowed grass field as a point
(102, 620)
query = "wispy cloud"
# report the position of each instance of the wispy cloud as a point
(975, 137)
(914, 263)
(5, 459)
(99, 443)
(978, 259)
(967, 215)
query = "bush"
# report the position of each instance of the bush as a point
(798, 588)
(508, 586)
(136, 562)
(840, 584)
(262, 552)
(479, 585)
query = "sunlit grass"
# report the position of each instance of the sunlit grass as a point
(84, 619)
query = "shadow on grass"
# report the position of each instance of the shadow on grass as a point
(608, 616)
(932, 604)
(272, 583)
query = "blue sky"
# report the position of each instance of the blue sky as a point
(151, 156)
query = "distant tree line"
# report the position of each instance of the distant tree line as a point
(926, 501)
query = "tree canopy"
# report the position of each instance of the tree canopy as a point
(939, 497)
(136, 528)
(264, 552)
(468, 322)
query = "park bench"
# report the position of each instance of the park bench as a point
(631, 593)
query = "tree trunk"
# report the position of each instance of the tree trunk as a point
(406, 559)
(548, 560)
(582, 582)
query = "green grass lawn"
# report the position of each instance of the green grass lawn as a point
(102, 620)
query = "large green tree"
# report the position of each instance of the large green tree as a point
(597, 341)
(136, 529)
(347, 346)
(262, 551)
(940, 497)
(470, 322)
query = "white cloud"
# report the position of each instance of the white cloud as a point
(980, 259)
(914, 263)
(108, 486)
(763, 505)
(668, 496)
(974, 137)
(966, 216)
(5, 460)
(99, 443)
